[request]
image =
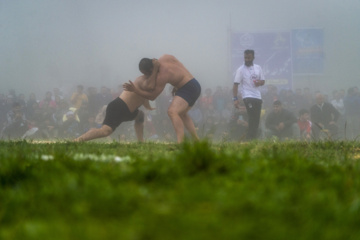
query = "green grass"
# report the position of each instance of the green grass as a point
(258, 190)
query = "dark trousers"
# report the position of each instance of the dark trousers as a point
(253, 108)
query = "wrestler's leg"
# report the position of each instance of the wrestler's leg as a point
(139, 126)
(94, 133)
(178, 107)
(189, 124)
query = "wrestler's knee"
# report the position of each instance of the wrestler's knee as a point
(140, 117)
(171, 112)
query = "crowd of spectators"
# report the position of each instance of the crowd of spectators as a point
(65, 116)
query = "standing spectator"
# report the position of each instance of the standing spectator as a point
(78, 97)
(324, 117)
(249, 77)
(281, 123)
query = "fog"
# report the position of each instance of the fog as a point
(62, 43)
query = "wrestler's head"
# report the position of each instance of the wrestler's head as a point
(146, 66)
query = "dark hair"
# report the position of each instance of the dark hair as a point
(249, 51)
(146, 65)
(303, 111)
(277, 103)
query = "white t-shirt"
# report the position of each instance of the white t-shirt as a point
(245, 76)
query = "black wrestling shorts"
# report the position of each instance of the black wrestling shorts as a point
(190, 92)
(117, 112)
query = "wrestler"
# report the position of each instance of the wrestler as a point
(123, 108)
(186, 90)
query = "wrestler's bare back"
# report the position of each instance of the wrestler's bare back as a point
(132, 100)
(172, 71)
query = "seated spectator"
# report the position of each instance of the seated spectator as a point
(47, 104)
(16, 125)
(324, 116)
(281, 123)
(47, 126)
(304, 124)
(70, 126)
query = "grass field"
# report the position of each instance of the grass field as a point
(258, 190)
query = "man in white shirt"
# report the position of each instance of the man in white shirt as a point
(249, 77)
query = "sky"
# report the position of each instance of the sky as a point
(63, 43)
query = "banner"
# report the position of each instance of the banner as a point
(307, 51)
(272, 53)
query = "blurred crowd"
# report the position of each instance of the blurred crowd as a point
(286, 114)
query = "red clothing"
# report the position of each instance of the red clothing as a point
(305, 126)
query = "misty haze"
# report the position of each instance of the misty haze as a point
(55, 46)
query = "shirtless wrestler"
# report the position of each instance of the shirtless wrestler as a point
(187, 90)
(123, 108)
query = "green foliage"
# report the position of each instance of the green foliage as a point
(196, 190)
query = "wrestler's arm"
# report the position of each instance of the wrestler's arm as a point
(150, 82)
(130, 86)
(147, 105)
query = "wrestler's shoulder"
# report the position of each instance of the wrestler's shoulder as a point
(167, 57)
